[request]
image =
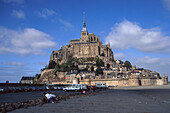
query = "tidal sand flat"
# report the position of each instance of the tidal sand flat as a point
(25, 96)
(148, 99)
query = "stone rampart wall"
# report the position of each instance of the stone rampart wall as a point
(154, 81)
(112, 82)
(148, 81)
(127, 81)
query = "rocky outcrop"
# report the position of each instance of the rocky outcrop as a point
(48, 75)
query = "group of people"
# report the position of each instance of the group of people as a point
(49, 97)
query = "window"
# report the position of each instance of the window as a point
(83, 33)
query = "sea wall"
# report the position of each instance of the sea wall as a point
(154, 81)
(112, 82)
(148, 81)
(133, 81)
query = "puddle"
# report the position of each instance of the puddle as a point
(167, 102)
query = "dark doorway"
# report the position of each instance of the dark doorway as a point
(140, 82)
(78, 80)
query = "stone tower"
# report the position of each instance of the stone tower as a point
(84, 33)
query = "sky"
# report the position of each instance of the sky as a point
(138, 31)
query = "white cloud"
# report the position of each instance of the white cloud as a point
(46, 12)
(14, 73)
(66, 23)
(148, 61)
(14, 1)
(166, 4)
(13, 63)
(18, 14)
(128, 34)
(120, 56)
(154, 62)
(24, 42)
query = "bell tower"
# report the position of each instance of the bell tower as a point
(84, 33)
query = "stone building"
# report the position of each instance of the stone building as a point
(70, 77)
(27, 80)
(89, 45)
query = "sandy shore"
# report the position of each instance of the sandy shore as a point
(150, 99)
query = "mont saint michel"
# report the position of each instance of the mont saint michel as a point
(113, 58)
(87, 60)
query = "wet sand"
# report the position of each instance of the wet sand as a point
(149, 99)
(25, 96)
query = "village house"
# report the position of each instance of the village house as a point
(27, 80)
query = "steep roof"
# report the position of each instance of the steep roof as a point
(27, 78)
(75, 40)
(84, 43)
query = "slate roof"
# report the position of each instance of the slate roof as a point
(27, 78)
(84, 43)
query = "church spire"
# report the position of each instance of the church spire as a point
(84, 23)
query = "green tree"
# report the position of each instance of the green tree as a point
(37, 76)
(128, 65)
(99, 70)
(99, 62)
(52, 64)
(92, 68)
(108, 65)
(96, 58)
(70, 62)
(64, 67)
(57, 68)
(75, 67)
(121, 62)
(102, 54)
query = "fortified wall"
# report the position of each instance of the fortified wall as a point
(128, 81)
(132, 81)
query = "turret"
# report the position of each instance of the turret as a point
(109, 44)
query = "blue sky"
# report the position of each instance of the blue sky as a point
(138, 31)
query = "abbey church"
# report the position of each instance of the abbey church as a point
(89, 45)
